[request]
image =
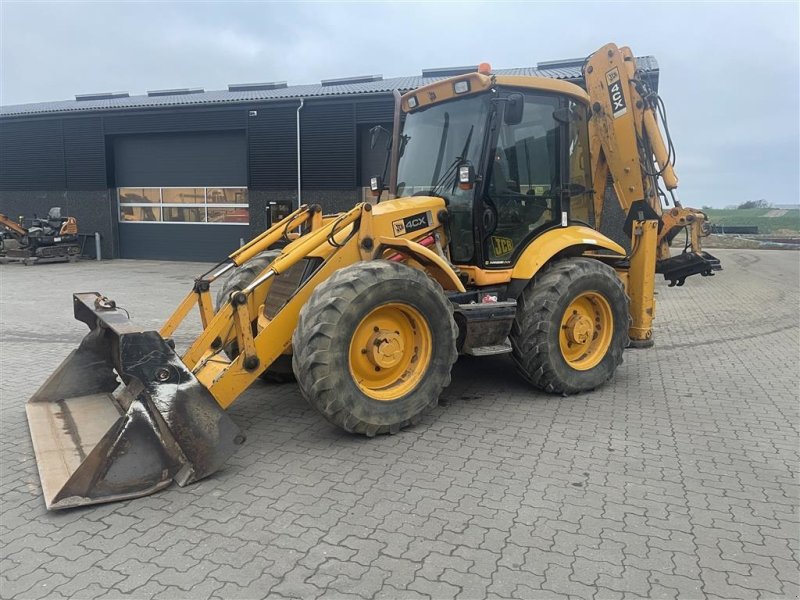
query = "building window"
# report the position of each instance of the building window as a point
(183, 196)
(184, 205)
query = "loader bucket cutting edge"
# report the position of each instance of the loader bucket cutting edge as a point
(122, 416)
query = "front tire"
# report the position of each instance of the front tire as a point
(571, 326)
(279, 371)
(374, 346)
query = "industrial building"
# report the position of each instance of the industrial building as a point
(186, 174)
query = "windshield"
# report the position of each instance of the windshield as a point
(434, 142)
(435, 138)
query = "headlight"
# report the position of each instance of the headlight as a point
(461, 87)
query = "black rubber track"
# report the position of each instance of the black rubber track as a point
(540, 308)
(281, 370)
(326, 325)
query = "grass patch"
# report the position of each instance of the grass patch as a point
(755, 217)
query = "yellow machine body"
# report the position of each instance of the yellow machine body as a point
(124, 414)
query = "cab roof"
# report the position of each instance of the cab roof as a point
(444, 89)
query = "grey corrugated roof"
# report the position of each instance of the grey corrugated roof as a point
(647, 63)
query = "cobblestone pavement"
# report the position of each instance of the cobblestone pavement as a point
(678, 479)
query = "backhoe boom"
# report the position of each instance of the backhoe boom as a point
(628, 147)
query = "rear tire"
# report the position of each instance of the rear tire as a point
(374, 346)
(279, 371)
(571, 326)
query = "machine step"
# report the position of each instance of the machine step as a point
(503, 348)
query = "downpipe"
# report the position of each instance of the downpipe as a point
(299, 153)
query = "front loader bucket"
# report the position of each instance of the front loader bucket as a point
(122, 416)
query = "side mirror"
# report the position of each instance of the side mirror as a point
(376, 186)
(375, 134)
(514, 107)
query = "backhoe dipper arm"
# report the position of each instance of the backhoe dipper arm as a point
(615, 131)
(627, 143)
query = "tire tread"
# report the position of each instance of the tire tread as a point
(313, 341)
(536, 308)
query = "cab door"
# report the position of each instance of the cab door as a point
(522, 195)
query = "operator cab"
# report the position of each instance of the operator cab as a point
(509, 155)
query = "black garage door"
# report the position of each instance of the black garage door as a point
(181, 196)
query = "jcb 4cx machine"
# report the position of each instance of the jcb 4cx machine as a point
(491, 244)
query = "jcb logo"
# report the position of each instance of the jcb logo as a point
(502, 246)
(615, 93)
(411, 223)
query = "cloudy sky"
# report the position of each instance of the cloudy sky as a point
(729, 72)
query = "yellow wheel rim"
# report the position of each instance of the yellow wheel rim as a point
(586, 331)
(390, 351)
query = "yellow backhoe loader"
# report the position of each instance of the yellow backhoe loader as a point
(490, 245)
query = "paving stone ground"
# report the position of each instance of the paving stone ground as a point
(677, 479)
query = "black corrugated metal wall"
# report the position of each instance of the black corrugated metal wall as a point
(272, 148)
(51, 153)
(69, 152)
(32, 154)
(84, 153)
(328, 146)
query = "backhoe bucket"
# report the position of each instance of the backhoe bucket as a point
(122, 416)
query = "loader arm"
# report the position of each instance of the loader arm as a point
(359, 234)
(125, 388)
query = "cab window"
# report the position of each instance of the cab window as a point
(581, 201)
